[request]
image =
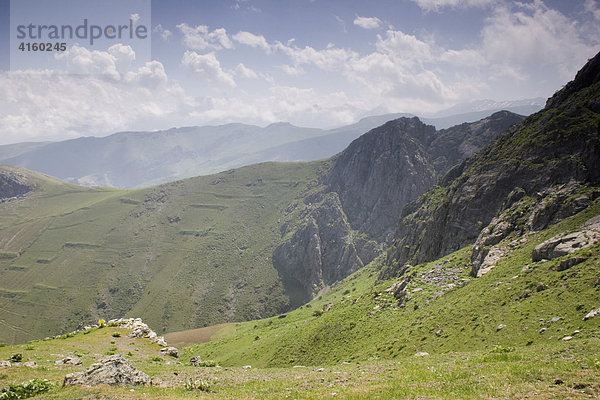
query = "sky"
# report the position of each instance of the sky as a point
(315, 63)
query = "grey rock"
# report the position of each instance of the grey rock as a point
(562, 245)
(170, 351)
(592, 314)
(5, 364)
(421, 354)
(113, 370)
(500, 327)
(69, 361)
(30, 364)
(195, 360)
(569, 263)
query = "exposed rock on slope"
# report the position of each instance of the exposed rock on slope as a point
(112, 370)
(13, 183)
(556, 146)
(354, 209)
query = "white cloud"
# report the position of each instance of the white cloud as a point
(329, 59)
(592, 8)
(164, 33)
(534, 37)
(245, 72)
(252, 40)
(367, 22)
(293, 70)
(201, 38)
(406, 48)
(207, 66)
(436, 5)
(46, 105)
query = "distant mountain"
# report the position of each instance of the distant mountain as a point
(142, 159)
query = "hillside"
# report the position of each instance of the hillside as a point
(71, 255)
(230, 242)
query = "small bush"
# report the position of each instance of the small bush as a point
(29, 347)
(197, 384)
(502, 349)
(116, 334)
(317, 313)
(156, 359)
(26, 389)
(18, 357)
(207, 363)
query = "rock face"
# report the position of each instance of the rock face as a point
(556, 146)
(113, 370)
(562, 245)
(13, 184)
(355, 211)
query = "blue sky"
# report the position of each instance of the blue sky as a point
(320, 63)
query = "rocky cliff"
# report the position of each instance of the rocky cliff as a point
(353, 210)
(549, 156)
(13, 183)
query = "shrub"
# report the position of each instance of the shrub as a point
(207, 363)
(116, 334)
(18, 357)
(101, 323)
(197, 384)
(25, 389)
(317, 313)
(157, 359)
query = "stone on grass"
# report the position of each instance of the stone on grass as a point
(500, 327)
(69, 361)
(421, 354)
(30, 364)
(113, 370)
(592, 314)
(170, 351)
(5, 364)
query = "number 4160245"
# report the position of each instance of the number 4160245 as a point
(26, 46)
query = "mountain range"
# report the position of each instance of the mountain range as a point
(142, 159)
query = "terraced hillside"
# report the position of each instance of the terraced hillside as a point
(186, 254)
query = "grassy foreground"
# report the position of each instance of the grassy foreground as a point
(501, 336)
(564, 370)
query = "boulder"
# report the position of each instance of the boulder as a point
(113, 370)
(30, 364)
(569, 263)
(561, 245)
(195, 360)
(5, 364)
(69, 361)
(592, 314)
(170, 351)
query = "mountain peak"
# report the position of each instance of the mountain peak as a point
(586, 77)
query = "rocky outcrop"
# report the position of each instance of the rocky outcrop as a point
(321, 251)
(556, 146)
(113, 370)
(562, 245)
(521, 214)
(13, 183)
(361, 195)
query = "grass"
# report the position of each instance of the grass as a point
(364, 344)
(71, 255)
(524, 372)
(365, 322)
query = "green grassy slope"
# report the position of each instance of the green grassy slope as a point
(445, 311)
(181, 255)
(364, 346)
